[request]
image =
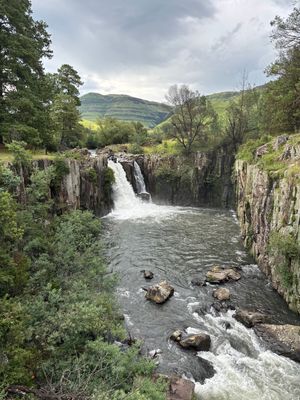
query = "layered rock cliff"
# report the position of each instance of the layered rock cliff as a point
(86, 184)
(268, 208)
(204, 179)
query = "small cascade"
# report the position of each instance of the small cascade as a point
(128, 205)
(124, 196)
(139, 179)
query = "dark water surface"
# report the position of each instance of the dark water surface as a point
(177, 245)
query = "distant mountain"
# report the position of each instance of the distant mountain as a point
(123, 107)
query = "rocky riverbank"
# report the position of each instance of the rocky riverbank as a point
(268, 209)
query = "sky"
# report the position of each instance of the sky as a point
(142, 47)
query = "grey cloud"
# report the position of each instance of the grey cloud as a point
(143, 46)
(225, 39)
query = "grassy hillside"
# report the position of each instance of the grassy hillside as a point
(123, 107)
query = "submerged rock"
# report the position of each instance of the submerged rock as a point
(145, 196)
(197, 282)
(250, 318)
(222, 294)
(160, 292)
(220, 275)
(176, 336)
(281, 339)
(148, 274)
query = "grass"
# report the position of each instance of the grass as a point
(122, 107)
(270, 162)
(89, 124)
(6, 156)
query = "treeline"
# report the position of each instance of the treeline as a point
(37, 108)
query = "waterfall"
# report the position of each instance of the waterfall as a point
(124, 196)
(139, 179)
(126, 204)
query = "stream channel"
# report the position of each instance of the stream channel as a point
(180, 244)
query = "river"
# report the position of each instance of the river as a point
(179, 244)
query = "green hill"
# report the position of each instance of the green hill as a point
(123, 107)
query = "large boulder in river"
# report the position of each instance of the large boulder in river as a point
(221, 294)
(219, 275)
(281, 339)
(160, 292)
(250, 318)
(198, 341)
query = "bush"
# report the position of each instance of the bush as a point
(22, 157)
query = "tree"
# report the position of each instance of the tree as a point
(286, 33)
(191, 117)
(23, 44)
(241, 115)
(281, 100)
(65, 115)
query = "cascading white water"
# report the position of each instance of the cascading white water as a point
(139, 179)
(126, 204)
(124, 196)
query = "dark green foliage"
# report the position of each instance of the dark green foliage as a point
(91, 175)
(109, 180)
(191, 119)
(22, 157)
(61, 169)
(23, 43)
(122, 107)
(285, 249)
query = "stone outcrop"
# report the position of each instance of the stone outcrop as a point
(281, 339)
(268, 209)
(202, 179)
(250, 318)
(84, 186)
(160, 292)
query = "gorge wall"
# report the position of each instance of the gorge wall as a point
(203, 179)
(86, 184)
(268, 208)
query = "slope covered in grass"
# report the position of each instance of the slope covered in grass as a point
(123, 107)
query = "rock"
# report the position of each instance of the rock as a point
(148, 274)
(180, 389)
(176, 336)
(154, 353)
(199, 342)
(222, 306)
(279, 141)
(250, 318)
(222, 294)
(220, 275)
(145, 196)
(160, 292)
(197, 282)
(260, 151)
(281, 339)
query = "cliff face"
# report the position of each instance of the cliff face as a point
(201, 180)
(268, 208)
(84, 186)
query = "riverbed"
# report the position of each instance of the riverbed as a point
(178, 245)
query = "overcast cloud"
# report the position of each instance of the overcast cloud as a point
(141, 47)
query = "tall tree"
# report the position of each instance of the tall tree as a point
(23, 44)
(281, 100)
(191, 117)
(65, 115)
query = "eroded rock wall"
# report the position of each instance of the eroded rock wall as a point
(84, 187)
(268, 208)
